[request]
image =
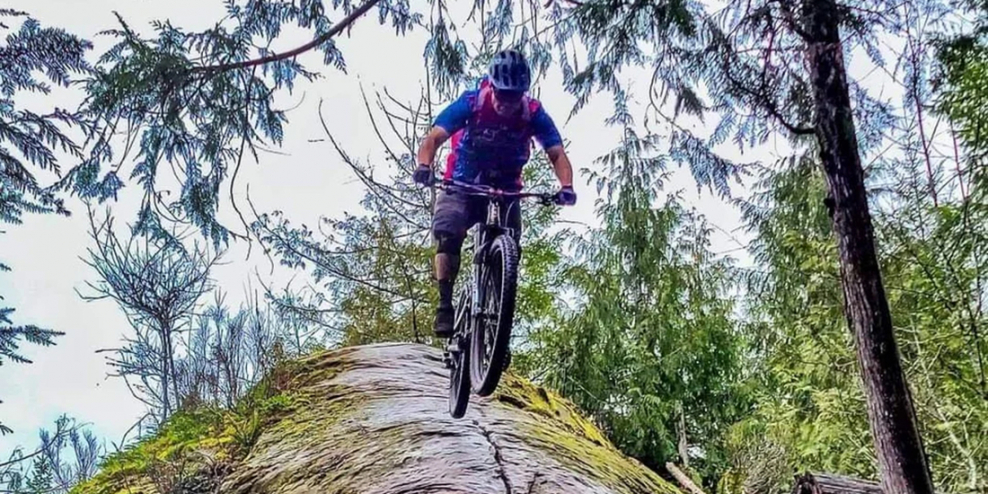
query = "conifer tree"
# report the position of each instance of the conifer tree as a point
(33, 59)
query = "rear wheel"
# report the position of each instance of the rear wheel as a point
(459, 372)
(492, 332)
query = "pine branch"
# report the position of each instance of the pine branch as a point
(336, 29)
(766, 103)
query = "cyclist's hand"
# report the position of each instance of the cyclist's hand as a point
(566, 196)
(423, 175)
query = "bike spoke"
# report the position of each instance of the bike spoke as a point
(491, 317)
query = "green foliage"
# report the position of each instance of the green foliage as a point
(199, 103)
(30, 141)
(963, 65)
(929, 235)
(197, 439)
(650, 347)
(256, 410)
(810, 409)
(266, 401)
(196, 102)
(745, 66)
(373, 267)
(41, 478)
(935, 257)
(32, 59)
(10, 335)
(640, 323)
(740, 67)
(184, 431)
(810, 404)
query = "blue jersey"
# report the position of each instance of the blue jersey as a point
(489, 148)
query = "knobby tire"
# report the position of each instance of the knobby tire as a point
(489, 342)
(459, 374)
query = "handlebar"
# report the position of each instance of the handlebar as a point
(544, 198)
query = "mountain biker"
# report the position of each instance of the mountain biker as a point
(491, 128)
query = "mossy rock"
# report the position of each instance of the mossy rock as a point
(373, 419)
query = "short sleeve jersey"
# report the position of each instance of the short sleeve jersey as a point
(490, 148)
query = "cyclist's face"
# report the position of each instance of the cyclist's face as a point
(507, 102)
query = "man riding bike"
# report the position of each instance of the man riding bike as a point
(492, 127)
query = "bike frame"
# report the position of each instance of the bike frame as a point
(484, 235)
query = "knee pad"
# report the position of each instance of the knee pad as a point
(449, 244)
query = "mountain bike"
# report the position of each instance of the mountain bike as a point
(478, 353)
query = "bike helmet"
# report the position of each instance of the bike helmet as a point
(509, 71)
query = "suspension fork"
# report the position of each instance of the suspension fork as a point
(483, 236)
(477, 294)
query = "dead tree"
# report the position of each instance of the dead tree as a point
(157, 284)
(825, 483)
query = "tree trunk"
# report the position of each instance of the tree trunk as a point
(901, 459)
(168, 350)
(373, 420)
(683, 479)
(165, 375)
(825, 483)
(683, 445)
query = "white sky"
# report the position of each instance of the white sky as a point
(310, 181)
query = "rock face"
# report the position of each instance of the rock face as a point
(373, 420)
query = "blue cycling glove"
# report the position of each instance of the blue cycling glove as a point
(566, 196)
(423, 175)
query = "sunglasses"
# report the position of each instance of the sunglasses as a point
(508, 96)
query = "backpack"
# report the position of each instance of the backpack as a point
(485, 95)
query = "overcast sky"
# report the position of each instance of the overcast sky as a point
(306, 182)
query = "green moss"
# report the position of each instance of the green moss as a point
(572, 439)
(526, 396)
(317, 406)
(310, 425)
(310, 420)
(731, 482)
(185, 431)
(284, 434)
(316, 368)
(195, 440)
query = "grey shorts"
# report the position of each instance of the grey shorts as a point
(456, 213)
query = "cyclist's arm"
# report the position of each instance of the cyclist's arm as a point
(430, 144)
(561, 165)
(453, 118)
(548, 136)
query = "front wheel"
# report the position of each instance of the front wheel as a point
(492, 330)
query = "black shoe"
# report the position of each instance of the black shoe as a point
(444, 322)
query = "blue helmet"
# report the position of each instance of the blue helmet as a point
(509, 71)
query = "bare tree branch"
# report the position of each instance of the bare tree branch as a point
(336, 29)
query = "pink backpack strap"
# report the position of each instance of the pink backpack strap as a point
(484, 93)
(451, 157)
(531, 106)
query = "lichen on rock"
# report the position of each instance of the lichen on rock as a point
(373, 419)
